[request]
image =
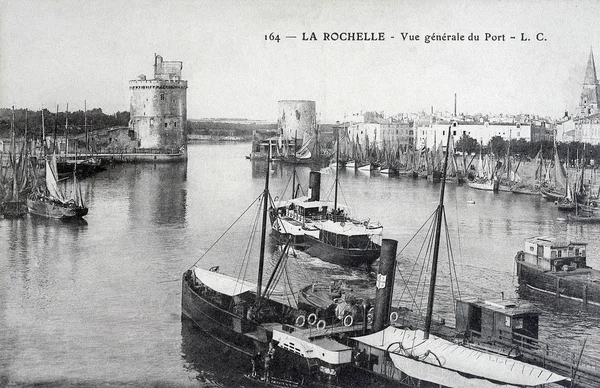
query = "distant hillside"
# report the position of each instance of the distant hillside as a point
(229, 127)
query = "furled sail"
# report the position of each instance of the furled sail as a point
(443, 362)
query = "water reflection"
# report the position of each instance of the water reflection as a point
(157, 194)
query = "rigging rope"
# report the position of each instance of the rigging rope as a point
(226, 230)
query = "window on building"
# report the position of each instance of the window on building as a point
(165, 125)
(175, 124)
(162, 96)
(453, 133)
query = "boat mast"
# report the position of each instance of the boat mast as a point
(14, 157)
(337, 168)
(261, 261)
(294, 166)
(43, 134)
(67, 131)
(87, 143)
(436, 248)
(55, 130)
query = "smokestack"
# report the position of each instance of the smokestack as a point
(454, 105)
(385, 284)
(314, 186)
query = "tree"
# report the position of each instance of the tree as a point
(467, 144)
(498, 146)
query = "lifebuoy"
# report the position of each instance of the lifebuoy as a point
(369, 318)
(300, 320)
(394, 316)
(321, 325)
(312, 319)
(348, 320)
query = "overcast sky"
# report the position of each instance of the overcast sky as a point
(58, 52)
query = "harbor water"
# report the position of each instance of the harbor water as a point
(98, 302)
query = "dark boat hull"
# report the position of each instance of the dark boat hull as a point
(342, 256)
(531, 278)
(230, 329)
(52, 209)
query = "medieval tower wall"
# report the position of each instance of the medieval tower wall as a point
(159, 107)
(298, 119)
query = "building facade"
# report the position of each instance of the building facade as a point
(430, 134)
(377, 132)
(159, 107)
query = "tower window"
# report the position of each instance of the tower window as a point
(162, 96)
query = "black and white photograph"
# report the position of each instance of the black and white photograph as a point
(318, 193)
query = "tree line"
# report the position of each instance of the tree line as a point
(572, 151)
(32, 122)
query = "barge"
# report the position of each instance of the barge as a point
(558, 267)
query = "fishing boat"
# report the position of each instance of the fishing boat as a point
(555, 187)
(254, 318)
(51, 202)
(324, 229)
(410, 357)
(13, 204)
(558, 267)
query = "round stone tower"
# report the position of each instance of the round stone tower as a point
(159, 107)
(298, 120)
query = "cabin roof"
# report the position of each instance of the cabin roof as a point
(510, 307)
(305, 203)
(349, 228)
(553, 242)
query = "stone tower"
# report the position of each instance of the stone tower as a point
(159, 107)
(590, 95)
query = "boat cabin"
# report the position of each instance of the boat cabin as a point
(302, 209)
(552, 254)
(496, 320)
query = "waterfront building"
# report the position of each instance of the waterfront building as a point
(379, 131)
(483, 132)
(159, 107)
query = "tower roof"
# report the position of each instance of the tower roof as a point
(590, 71)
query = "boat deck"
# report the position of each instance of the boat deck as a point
(313, 334)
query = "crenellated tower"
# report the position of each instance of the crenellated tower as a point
(159, 107)
(590, 95)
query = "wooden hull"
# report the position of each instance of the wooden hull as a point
(591, 219)
(232, 330)
(551, 195)
(568, 287)
(485, 186)
(342, 256)
(52, 209)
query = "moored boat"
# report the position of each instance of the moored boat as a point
(325, 230)
(408, 357)
(558, 267)
(254, 319)
(51, 202)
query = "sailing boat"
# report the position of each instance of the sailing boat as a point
(555, 190)
(52, 202)
(252, 318)
(324, 229)
(419, 358)
(13, 205)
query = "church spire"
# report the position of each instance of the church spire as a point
(590, 72)
(589, 102)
